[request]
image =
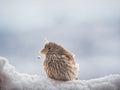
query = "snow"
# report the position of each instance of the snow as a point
(10, 79)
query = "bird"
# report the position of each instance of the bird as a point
(59, 63)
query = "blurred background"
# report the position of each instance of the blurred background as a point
(88, 28)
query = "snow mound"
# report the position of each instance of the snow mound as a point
(10, 79)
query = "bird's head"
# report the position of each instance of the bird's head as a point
(53, 48)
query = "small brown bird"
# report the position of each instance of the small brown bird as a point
(59, 63)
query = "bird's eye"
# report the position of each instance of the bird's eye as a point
(49, 48)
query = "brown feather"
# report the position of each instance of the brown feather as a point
(59, 63)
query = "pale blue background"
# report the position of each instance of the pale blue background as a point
(88, 28)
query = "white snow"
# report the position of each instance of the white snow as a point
(10, 79)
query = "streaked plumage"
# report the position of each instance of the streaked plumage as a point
(59, 63)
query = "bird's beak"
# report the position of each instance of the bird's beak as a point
(44, 51)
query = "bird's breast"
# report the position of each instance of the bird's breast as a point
(59, 69)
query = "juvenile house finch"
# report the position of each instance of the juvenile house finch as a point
(59, 63)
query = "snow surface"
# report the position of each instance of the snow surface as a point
(10, 79)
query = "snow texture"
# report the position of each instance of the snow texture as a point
(10, 79)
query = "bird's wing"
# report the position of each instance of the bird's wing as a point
(66, 58)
